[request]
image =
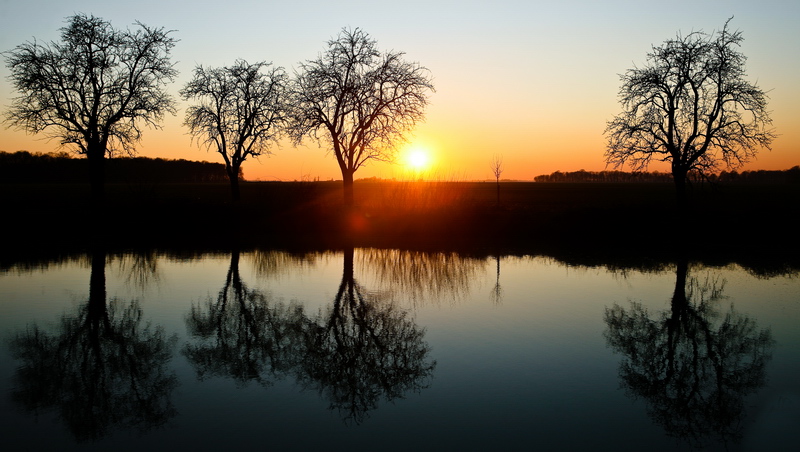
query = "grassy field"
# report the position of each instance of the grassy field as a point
(564, 218)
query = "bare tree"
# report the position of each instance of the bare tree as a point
(242, 111)
(690, 105)
(497, 170)
(94, 89)
(360, 101)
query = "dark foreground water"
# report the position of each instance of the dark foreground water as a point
(389, 350)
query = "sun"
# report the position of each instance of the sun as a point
(418, 158)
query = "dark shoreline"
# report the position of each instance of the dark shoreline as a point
(580, 223)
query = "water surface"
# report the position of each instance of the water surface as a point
(372, 349)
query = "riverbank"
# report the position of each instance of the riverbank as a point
(729, 221)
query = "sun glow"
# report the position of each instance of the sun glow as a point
(417, 159)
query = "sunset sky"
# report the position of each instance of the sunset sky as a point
(531, 81)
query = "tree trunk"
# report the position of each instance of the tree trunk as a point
(346, 293)
(679, 306)
(234, 279)
(96, 315)
(679, 300)
(233, 176)
(679, 177)
(347, 266)
(498, 192)
(97, 178)
(347, 185)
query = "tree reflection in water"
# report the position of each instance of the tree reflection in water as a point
(363, 349)
(101, 369)
(359, 351)
(140, 270)
(243, 334)
(422, 276)
(497, 290)
(693, 364)
(278, 263)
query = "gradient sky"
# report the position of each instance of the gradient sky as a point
(532, 81)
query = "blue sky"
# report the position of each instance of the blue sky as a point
(533, 81)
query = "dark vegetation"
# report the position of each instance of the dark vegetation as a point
(758, 176)
(574, 222)
(24, 168)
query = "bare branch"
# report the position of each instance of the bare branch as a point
(497, 166)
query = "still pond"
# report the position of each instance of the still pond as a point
(371, 349)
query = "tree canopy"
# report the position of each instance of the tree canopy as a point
(94, 89)
(692, 106)
(359, 100)
(241, 111)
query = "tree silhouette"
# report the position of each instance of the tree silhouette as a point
(101, 369)
(243, 334)
(693, 364)
(690, 106)
(242, 111)
(93, 89)
(359, 100)
(363, 350)
(497, 170)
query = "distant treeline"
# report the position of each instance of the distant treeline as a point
(25, 167)
(603, 176)
(790, 175)
(760, 176)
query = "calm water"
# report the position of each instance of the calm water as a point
(389, 350)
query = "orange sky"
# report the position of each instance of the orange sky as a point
(530, 81)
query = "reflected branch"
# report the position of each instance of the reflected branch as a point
(271, 263)
(140, 269)
(692, 364)
(421, 275)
